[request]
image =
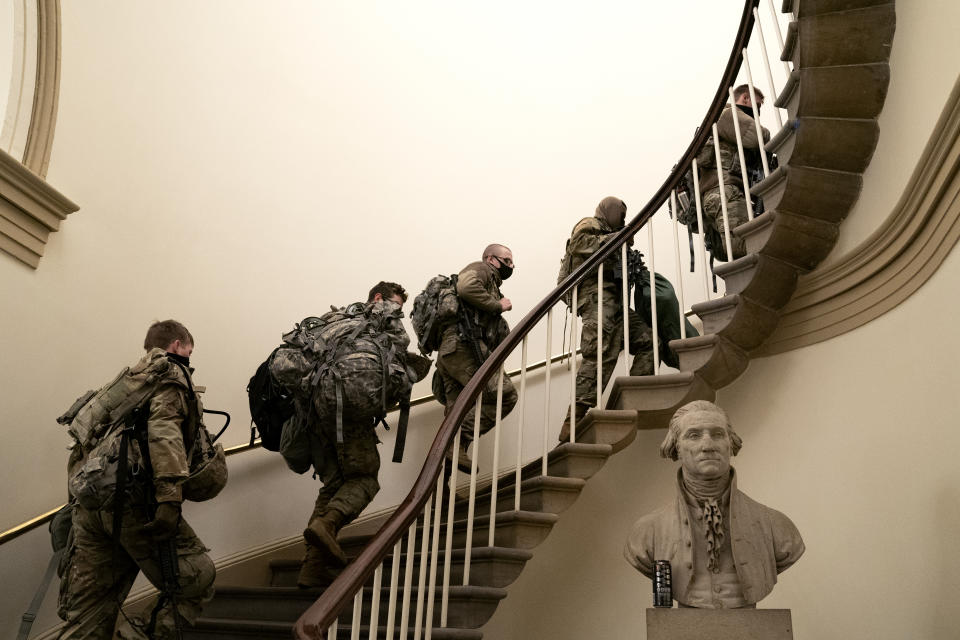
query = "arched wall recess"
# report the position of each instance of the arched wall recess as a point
(31, 209)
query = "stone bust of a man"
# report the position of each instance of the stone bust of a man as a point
(725, 549)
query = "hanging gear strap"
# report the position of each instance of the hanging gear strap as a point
(26, 621)
(402, 428)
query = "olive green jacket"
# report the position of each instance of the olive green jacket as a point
(587, 237)
(478, 287)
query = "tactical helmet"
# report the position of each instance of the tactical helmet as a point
(208, 471)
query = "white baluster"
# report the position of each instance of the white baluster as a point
(434, 553)
(520, 404)
(471, 505)
(625, 294)
(723, 194)
(332, 630)
(546, 390)
(357, 610)
(653, 301)
(496, 459)
(743, 161)
(422, 576)
(756, 123)
(408, 581)
(766, 66)
(448, 549)
(375, 602)
(394, 581)
(776, 30)
(702, 244)
(599, 404)
(573, 368)
(676, 244)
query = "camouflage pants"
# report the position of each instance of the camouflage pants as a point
(350, 474)
(455, 371)
(713, 219)
(99, 574)
(641, 345)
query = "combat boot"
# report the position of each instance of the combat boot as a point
(315, 573)
(322, 533)
(581, 410)
(464, 462)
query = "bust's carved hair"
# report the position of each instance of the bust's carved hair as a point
(668, 448)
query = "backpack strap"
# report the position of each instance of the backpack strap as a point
(26, 621)
(402, 427)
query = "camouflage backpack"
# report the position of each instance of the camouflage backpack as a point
(433, 310)
(105, 425)
(349, 362)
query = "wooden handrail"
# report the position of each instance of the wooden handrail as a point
(313, 623)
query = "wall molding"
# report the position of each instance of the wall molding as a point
(894, 261)
(31, 209)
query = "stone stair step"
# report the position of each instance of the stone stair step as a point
(469, 606)
(806, 8)
(738, 319)
(760, 278)
(790, 42)
(513, 529)
(616, 427)
(859, 35)
(843, 91)
(797, 240)
(839, 144)
(656, 397)
(218, 629)
(577, 459)
(489, 566)
(821, 194)
(789, 97)
(713, 358)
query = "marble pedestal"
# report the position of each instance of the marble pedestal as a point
(719, 624)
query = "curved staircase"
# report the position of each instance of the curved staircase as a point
(839, 50)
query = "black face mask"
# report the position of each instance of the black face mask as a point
(747, 110)
(504, 271)
(184, 360)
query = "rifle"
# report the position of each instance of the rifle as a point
(470, 330)
(166, 549)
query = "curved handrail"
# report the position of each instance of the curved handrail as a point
(313, 623)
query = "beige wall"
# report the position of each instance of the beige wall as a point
(239, 167)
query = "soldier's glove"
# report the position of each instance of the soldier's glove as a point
(165, 523)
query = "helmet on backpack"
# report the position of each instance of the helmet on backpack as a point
(208, 476)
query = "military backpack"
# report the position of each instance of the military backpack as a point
(271, 405)
(349, 363)
(108, 427)
(434, 309)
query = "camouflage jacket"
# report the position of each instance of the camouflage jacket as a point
(478, 287)
(586, 239)
(729, 155)
(169, 417)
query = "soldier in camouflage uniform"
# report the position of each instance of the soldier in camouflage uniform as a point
(732, 178)
(460, 354)
(348, 472)
(588, 236)
(101, 564)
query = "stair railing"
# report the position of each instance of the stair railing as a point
(422, 510)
